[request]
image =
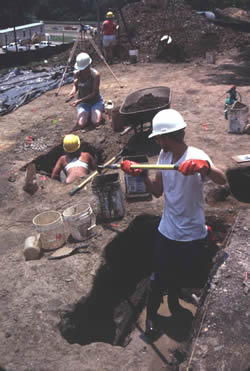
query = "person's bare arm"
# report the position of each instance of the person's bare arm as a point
(58, 167)
(155, 185)
(74, 89)
(92, 162)
(217, 175)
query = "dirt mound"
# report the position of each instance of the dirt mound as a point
(192, 33)
(236, 13)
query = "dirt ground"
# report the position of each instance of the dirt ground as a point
(35, 295)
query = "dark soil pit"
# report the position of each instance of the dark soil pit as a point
(110, 311)
(46, 162)
(239, 180)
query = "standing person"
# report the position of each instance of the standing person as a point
(86, 84)
(109, 28)
(75, 164)
(180, 254)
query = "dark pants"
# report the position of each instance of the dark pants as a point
(180, 264)
(176, 265)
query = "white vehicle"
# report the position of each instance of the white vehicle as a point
(11, 47)
(43, 44)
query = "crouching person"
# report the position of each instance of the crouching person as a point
(75, 163)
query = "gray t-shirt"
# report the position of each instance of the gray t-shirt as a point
(183, 216)
(86, 87)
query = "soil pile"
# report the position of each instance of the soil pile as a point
(192, 33)
(236, 13)
(148, 101)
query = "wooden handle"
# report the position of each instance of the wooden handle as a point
(90, 177)
(143, 166)
(155, 167)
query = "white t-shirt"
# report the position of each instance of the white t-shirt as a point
(183, 216)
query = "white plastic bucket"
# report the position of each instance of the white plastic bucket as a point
(50, 226)
(133, 55)
(79, 221)
(237, 117)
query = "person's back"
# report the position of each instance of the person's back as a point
(76, 163)
(109, 27)
(78, 166)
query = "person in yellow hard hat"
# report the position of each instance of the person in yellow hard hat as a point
(75, 164)
(86, 85)
(109, 29)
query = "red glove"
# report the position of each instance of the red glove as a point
(125, 166)
(190, 167)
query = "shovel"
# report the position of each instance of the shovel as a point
(122, 152)
(238, 178)
(65, 251)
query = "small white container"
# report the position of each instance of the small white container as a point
(32, 250)
(133, 55)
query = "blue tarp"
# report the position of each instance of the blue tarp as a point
(19, 87)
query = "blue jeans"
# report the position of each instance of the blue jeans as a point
(86, 107)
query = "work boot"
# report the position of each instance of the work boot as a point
(173, 301)
(153, 303)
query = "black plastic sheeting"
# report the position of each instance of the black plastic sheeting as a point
(19, 87)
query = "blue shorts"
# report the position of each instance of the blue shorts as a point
(86, 107)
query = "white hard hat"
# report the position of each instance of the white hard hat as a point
(83, 60)
(167, 121)
(167, 39)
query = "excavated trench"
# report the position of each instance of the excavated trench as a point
(110, 312)
(45, 162)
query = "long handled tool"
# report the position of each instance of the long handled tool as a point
(104, 60)
(68, 62)
(141, 166)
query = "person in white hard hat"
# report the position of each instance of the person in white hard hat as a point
(181, 257)
(86, 85)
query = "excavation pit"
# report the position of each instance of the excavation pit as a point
(239, 180)
(45, 162)
(110, 312)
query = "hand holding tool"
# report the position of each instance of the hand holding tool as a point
(192, 166)
(126, 167)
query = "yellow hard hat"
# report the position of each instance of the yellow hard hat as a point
(110, 15)
(71, 143)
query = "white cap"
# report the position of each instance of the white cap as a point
(167, 38)
(167, 121)
(83, 60)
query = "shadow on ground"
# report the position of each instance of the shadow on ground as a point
(236, 73)
(106, 314)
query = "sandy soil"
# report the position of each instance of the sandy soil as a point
(34, 294)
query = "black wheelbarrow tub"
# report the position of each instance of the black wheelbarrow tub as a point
(146, 115)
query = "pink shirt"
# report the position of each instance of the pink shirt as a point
(109, 27)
